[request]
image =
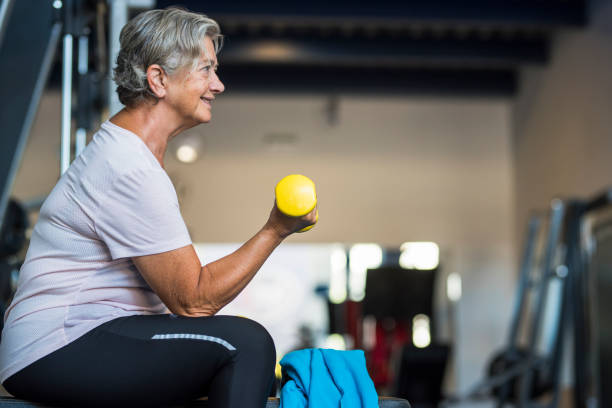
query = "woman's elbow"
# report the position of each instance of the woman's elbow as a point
(195, 307)
(196, 300)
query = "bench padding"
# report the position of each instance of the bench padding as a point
(383, 402)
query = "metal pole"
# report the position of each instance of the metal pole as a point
(82, 67)
(526, 265)
(118, 16)
(66, 87)
(556, 219)
(66, 104)
(5, 12)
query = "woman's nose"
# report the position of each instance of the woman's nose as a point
(216, 86)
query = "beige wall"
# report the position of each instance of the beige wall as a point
(562, 119)
(388, 170)
(39, 169)
(562, 122)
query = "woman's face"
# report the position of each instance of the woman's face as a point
(191, 93)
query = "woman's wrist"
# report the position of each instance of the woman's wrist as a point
(275, 232)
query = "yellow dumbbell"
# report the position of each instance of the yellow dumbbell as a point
(296, 197)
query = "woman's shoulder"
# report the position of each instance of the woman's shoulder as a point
(113, 160)
(119, 152)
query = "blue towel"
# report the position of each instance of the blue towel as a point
(321, 378)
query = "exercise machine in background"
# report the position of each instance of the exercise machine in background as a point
(28, 43)
(399, 334)
(29, 50)
(592, 302)
(563, 294)
(527, 367)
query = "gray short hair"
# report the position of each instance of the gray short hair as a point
(171, 38)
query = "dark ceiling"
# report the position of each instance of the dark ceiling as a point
(425, 47)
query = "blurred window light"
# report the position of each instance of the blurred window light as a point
(419, 255)
(337, 279)
(335, 341)
(369, 332)
(453, 287)
(186, 154)
(421, 335)
(361, 258)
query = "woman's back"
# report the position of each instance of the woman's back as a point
(84, 276)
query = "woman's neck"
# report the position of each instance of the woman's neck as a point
(152, 124)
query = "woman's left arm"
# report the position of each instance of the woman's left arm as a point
(189, 289)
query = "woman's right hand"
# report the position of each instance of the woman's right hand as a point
(285, 225)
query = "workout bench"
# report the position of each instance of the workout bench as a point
(383, 402)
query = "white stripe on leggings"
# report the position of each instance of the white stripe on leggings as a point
(194, 337)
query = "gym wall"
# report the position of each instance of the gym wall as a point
(562, 126)
(388, 170)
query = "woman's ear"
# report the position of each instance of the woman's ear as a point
(157, 79)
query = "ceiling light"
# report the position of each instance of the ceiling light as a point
(361, 258)
(419, 255)
(186, 154)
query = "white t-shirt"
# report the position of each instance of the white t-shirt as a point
(114, 202)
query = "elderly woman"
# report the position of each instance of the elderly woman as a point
(110, 254)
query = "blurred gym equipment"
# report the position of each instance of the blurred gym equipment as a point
(29, 42)
(592, 299)
(12, 241)
(13, 231)
(571, 296)
(26, 53)
(396, 299)
(28, 46)
(529, 366)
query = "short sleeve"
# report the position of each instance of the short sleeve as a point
(139, 215)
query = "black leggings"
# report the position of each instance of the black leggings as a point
(154, 361)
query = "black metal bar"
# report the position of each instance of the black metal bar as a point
(384, 50)
(284, 78)
(526, 12)
(570, 286)
(533, 227)
(480, 389)
(26, 53)
(595, 380)
(265, 78)
(599, 201)
(6, 7)
(556, 218)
